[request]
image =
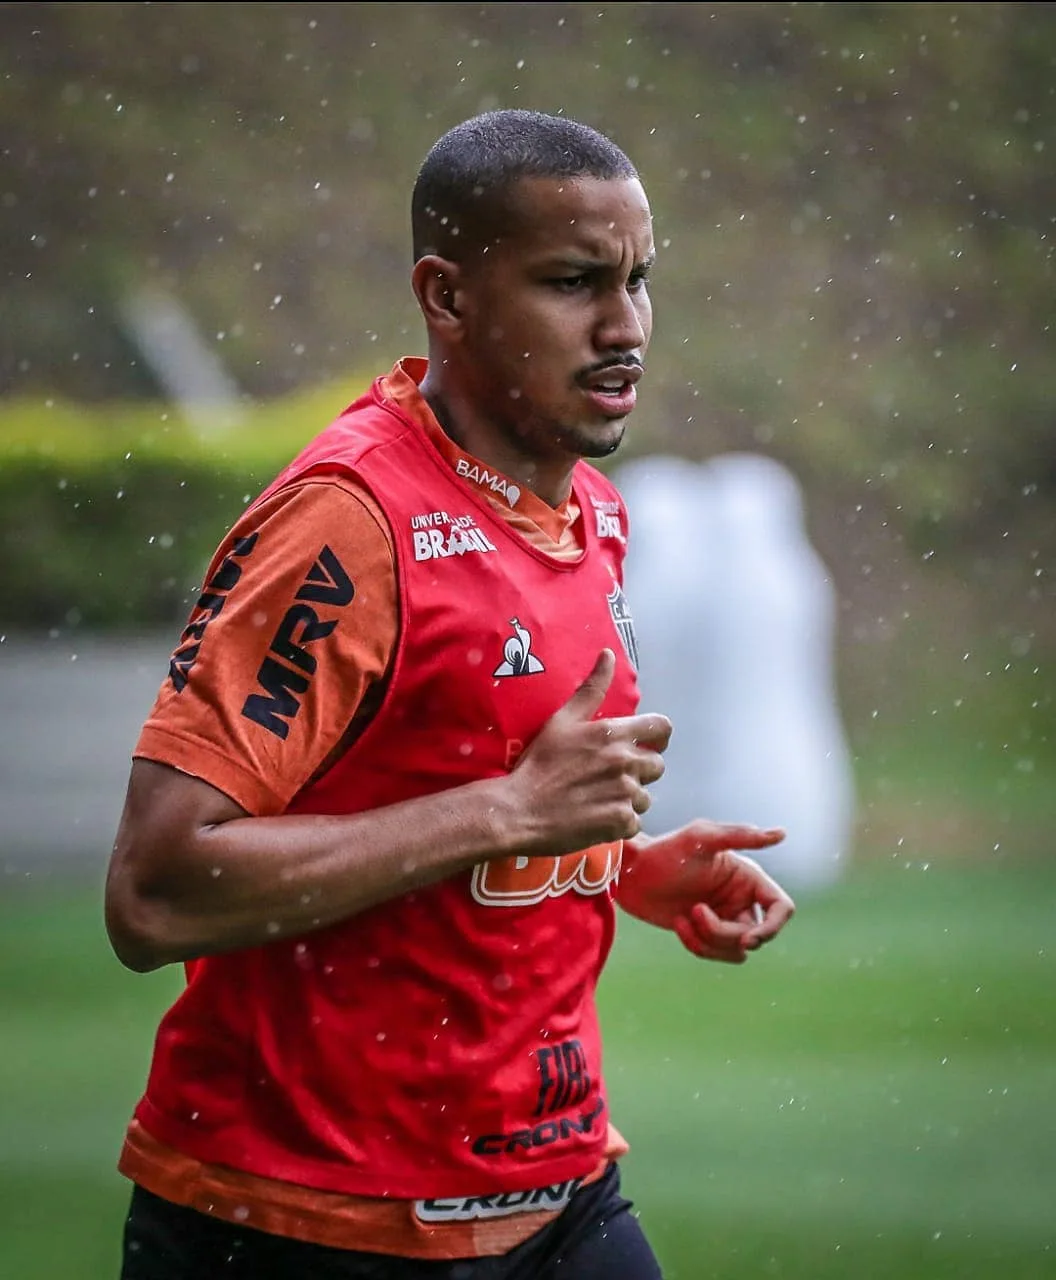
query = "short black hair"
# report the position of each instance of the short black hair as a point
(459, 193)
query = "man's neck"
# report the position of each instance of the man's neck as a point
(550, 480)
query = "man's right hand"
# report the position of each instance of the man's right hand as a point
(582, 781)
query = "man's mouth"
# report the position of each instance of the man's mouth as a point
(611, 377)
(612, 389)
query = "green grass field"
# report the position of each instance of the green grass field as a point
(873, 1096)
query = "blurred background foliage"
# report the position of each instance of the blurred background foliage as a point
(853, 206)
(854, 203)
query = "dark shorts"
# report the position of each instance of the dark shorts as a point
(595, 1238)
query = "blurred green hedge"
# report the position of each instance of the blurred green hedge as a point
(109, 515)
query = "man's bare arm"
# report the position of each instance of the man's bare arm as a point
(192, 874)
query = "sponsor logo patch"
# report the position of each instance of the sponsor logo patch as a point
(541, 1135)
(436, 535)
(470, 1208)
(517, 656)
(607, 520)
(492, 480)
(524, 882)
(209, 605)
(288, 668)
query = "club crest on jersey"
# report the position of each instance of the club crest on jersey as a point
(517, 656)
(623, 622)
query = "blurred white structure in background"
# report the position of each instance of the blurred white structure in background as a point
(186, 368)
(736, 621)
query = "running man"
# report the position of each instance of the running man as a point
(390, 794)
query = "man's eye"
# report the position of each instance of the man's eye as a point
(569, 284)
(639, 281)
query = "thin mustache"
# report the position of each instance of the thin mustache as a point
(612, 362)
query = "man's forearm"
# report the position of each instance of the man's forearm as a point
(251, 880)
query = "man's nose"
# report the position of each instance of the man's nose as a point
(621, 325)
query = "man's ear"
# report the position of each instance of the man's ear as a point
(437, 284)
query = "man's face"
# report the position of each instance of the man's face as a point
(557, 315)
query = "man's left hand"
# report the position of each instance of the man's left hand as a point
(720, 903)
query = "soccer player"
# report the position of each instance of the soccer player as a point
(390, 793)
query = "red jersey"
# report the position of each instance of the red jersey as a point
(444, 1043)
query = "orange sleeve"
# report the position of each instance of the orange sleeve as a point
(297, 621)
